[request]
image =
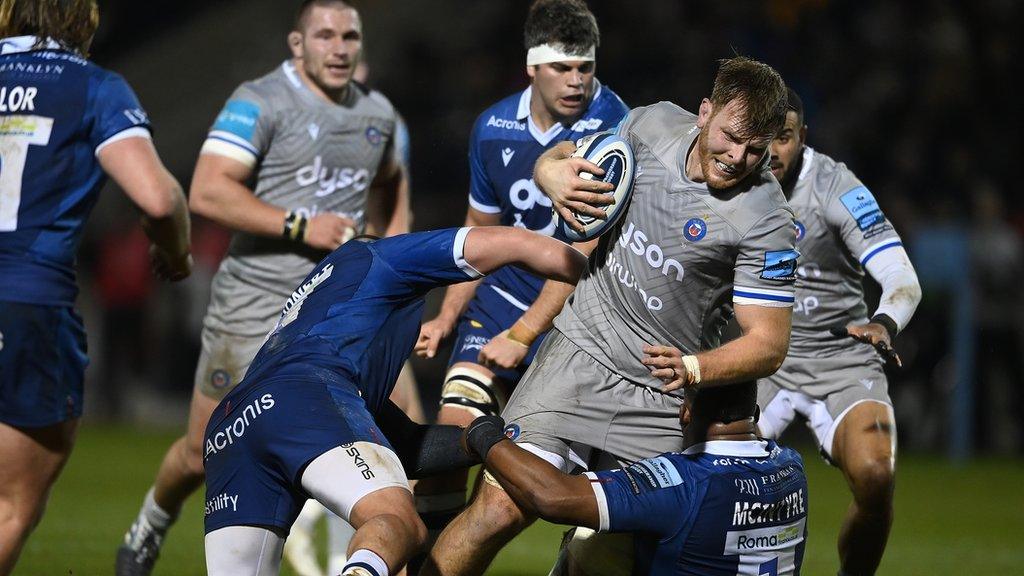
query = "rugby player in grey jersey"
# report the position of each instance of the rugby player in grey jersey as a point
(321, 148)
(835, 383)
(706, 223)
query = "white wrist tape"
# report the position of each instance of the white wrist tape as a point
(692, 369)
(548, 53)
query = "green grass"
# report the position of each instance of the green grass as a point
(949, 520)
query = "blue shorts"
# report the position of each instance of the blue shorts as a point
(487, 315)
(42, 364)
(261, 438)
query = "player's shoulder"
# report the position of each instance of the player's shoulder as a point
(827, 176)
(755, 203)
(501, 119)
(270, 87)
(376, 97)
(607, 105)
(659, 121)
(784, 456)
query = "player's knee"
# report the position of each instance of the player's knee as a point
(472, 391)
(873, 482)
(494, 508)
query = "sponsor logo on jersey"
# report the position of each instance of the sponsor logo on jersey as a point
(360, 463)
(329, 180)
(861, 204)
(636, 239)
(506, 124)
(506, 156)
(793, 505)
(512, 431)
(587, 124)
(767, 539)
(374, 135)
(239, 118)
(31, 68)
(220, 379)
(221, 502)
(867, 383)
(294, 303)
(801, 230)
(658, 472)
(524, 195)
(314, 130)
(18, 98)
(780, 265)
(236, 429)
(695, 229)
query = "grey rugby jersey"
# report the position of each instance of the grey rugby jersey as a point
(679, 254)
(840, 227)
(311, 156)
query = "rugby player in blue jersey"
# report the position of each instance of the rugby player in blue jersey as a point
(312, 418)
(65, 125)
(499, 322)
(729, 503)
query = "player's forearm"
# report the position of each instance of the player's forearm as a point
(749, 357)
(901, 291)
(387, 212)
(233, 205)
(456, 299)
(171, 233)
(541, 489)
(540, 316)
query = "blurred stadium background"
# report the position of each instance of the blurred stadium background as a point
(913, 96)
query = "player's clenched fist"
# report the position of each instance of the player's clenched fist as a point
(503, 352)
(328, 231)
(432, 333)
(170, 268)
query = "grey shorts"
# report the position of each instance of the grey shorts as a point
(568, 404)
(821, 391)
(223, 361)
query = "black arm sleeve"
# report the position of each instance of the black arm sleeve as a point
(424, 450)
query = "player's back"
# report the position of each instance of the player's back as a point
(357, 314)
(57, 111)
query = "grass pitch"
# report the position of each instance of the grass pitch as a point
(949, 520)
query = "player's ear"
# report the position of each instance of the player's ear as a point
(803, 134)
(531, 71)
(295, 43)
(704, 113)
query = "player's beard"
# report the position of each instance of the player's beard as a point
(711, 176)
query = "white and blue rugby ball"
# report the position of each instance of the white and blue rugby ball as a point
(614, 155)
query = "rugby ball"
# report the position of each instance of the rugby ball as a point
(614, 155)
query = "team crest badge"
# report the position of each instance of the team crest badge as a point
(801, 230)
(695, 229)
(512, 431)
(373, 135)
(220, 379)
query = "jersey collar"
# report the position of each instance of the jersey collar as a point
(808, 157)
(746, 448)
(545, 138)
(19, 44)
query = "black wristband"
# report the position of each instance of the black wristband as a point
(483, 433)
(294, 226)
(888, 322)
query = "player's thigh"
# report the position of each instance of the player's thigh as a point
(359, 480)
(865, 441)
(248, 550)
(32, 458)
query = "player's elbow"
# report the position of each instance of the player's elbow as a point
(774, 349)
(165, 202)
(202, 199)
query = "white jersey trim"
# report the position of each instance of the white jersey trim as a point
(133, 132)
(762, 296)
(748, 448)
(874, 249)
(807, 161)
(459, 254)
(485, 208)
(222, 148)
(511, 299)
(604, 522)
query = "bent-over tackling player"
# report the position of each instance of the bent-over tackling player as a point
(304, 422)
(834, 382)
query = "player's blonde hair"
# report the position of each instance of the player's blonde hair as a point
(70, 23)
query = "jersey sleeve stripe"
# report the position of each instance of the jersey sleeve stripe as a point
(762, 297)
(604, 522)
(132, 132)
(221, 148)
(233, 139)
(459, 254)
(485, 208)
(880, 247)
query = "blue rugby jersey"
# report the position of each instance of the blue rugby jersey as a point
(57, 111)
(720, 508)
(503, 147)
(357, 315)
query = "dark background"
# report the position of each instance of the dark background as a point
(914, 97)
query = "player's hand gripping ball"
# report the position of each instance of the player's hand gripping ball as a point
(612, 154)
